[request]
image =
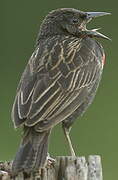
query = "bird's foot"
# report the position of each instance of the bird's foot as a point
(50, 161)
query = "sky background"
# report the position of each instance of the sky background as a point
(97, 131)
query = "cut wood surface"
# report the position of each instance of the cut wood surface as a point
(64, 168)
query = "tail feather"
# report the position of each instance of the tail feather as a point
(32, 153)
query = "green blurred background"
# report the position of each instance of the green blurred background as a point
(97, 131)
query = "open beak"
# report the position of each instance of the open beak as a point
(94, 32)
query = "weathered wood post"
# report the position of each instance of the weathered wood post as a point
(64, 168)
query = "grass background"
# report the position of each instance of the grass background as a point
(97, 131)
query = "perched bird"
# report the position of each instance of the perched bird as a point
(58, 84)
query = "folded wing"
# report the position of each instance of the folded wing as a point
(51, 92)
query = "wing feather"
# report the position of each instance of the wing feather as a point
(51, 91)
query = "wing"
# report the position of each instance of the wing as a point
(54, 88)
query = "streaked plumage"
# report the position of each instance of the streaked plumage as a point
(58, 84)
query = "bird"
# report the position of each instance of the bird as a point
(58, 84)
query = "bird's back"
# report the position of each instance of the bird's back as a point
(59, 78)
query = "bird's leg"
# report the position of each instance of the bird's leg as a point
(66, 133)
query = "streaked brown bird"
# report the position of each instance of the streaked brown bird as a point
(58, 84)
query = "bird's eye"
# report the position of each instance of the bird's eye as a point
(75, 21)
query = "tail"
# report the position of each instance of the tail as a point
(32, 153)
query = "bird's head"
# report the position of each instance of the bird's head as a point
(70, 21)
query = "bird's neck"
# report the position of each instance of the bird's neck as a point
(49, 29)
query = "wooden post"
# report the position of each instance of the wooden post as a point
(64, 168)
